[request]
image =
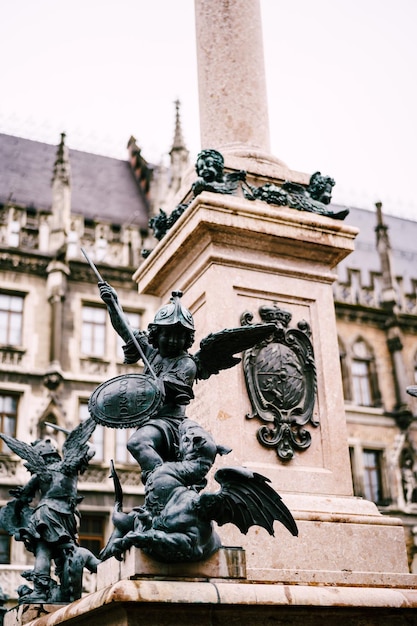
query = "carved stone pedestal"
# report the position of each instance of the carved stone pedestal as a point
(348, 565)
(211, 602)
(227, 563)
(231, 256)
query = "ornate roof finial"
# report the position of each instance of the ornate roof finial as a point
(383, 246)
(178, 143)
(179, 155)
(62, 170)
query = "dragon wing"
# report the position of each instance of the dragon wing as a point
(76, 451)
(245, 499)
(217, 350)
(35, 463)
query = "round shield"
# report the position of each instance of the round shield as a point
(126, 401)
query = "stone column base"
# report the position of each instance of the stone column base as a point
(181, 603)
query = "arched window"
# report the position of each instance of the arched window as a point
(365, 390)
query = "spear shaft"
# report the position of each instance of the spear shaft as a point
(122, 317)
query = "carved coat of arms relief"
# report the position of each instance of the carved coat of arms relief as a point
(280, 377)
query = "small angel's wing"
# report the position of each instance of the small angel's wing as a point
(245, 499)
(217, 350)
(76, 451)
(35, 463)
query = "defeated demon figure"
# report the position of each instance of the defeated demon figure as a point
(49, 529)
(175, 523)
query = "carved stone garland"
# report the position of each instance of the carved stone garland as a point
(280, 377)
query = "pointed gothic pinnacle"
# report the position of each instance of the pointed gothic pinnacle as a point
(62, 169)
(178, 143)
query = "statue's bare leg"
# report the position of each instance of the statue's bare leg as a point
(146, 446)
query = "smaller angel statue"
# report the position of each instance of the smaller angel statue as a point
(49, 529)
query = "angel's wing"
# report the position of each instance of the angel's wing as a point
(217, 350)
(76, 451)
(245, 499)
(35, 463)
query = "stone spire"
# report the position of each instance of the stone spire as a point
(179, 154)
(401, 410)
(61, 198)
(178, 143)
(141, 171)
(62, 170)
(383, 246)
(57, 270)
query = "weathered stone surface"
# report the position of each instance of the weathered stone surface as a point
(227, 563)
(230, 255)
(176, 603)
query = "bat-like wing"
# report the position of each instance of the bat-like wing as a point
(76, 451)
(217, 350)
(35, 463)
(245, 499)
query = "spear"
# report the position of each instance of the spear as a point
(122, 317)
(56, 427)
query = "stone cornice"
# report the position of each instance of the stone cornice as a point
(81, 272)
(15, 260)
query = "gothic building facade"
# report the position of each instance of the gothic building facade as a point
(376, 310)
(57, 344)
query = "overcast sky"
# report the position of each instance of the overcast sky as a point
(341, 80)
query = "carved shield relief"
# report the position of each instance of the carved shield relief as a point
(280, 376)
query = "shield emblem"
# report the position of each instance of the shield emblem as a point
(126, 401)
(280, 377)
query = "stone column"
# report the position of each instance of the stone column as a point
(56, 286)
(231, 75)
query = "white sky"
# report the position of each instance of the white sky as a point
(341, 79)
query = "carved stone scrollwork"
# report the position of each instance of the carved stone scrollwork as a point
(280, 377)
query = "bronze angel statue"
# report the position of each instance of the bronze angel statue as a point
(155, 401)
(49, 528)
(175, 524)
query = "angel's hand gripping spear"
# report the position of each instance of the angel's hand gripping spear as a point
(124, 327)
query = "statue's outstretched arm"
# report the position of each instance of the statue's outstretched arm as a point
(117, 316)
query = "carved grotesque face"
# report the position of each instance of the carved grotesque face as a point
(321, 188)
(209, 166)
(195, 442)
(207, 169)
(186, 444)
